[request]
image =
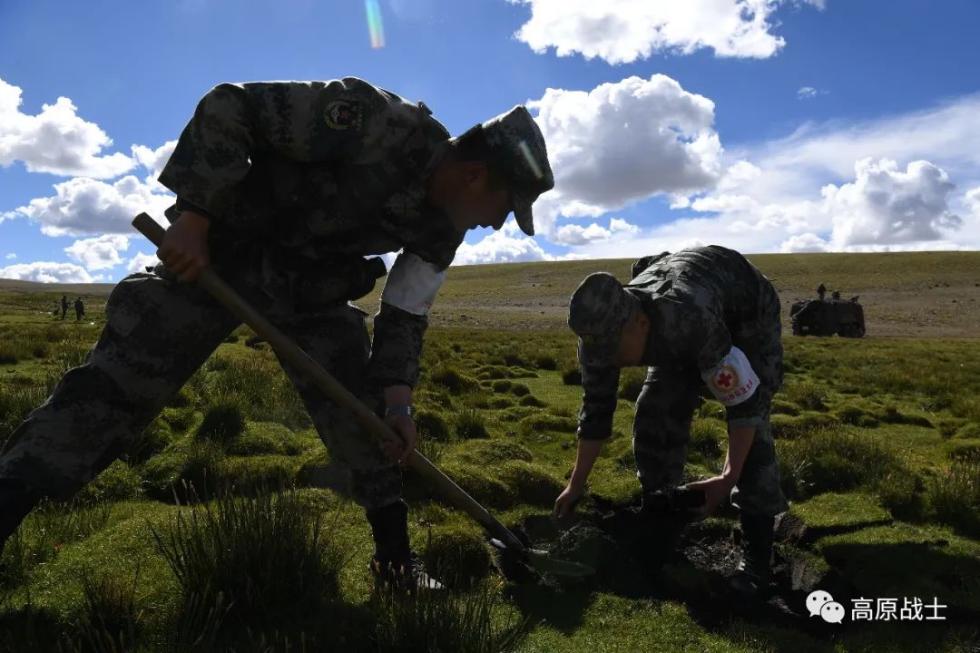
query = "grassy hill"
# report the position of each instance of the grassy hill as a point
(878, 442)
(921, 294)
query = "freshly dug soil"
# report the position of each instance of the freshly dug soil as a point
(635, 554)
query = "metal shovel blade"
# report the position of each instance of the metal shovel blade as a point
(542, 563)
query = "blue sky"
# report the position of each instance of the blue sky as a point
(763, 125)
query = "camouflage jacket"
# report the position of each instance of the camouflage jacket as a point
(313, 176)
(696, 300)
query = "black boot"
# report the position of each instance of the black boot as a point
(664, 516)
(752, 578)
(394, 564)
(15, 504)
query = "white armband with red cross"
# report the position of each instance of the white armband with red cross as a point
(412, 284)
(733, 380)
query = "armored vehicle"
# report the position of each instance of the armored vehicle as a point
(821, 317)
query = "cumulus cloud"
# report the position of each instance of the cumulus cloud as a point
(504, 246)
(574, 234)
(83, 206)
(623, 31)
(807, 242)
(623, 142)
(770, 195)
(47, 272)
(618, 225)
(154, 160)
(11, 256)
(56, 140)
(886, 206)
(140, 262)
(98, 253)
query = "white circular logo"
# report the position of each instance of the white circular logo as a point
(816, 600)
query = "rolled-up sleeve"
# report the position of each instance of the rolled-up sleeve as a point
(600, 386)
(397, 346)
(400, 325)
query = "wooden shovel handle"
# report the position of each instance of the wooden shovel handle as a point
(330, 387)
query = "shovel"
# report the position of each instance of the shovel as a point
(511, 548)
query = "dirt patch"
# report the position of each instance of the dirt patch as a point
(637, 555)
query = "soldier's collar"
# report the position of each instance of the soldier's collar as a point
(439, 152)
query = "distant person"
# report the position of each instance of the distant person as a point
(821, 291)
(79, 309)
(701, 316)
(286, 187)
(835, 295)
(64, 306)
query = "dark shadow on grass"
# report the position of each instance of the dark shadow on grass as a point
(912, 569)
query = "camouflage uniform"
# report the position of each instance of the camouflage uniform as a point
(700, 302)
(300, 180)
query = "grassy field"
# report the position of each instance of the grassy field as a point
(878, 440)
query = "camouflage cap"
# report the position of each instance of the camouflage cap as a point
(518, 145)
(599, 308)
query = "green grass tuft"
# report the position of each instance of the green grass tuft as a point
(453, 381)
(263, 557)
(223, 422)
(471, 424)
(631, 383)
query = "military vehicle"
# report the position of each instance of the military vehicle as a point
(822, 317)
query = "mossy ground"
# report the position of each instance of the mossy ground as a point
(878, 442)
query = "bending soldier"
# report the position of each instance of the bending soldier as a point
(284, 187)
(702, 316)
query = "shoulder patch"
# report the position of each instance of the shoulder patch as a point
(343, 114)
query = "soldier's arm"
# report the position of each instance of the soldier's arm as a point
(600, 386)
(401, 322)
(729, 376)
(302, 121)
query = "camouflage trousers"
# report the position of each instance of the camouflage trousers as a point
(158, 333)
(666, 405)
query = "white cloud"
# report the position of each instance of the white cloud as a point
(139, 262)
(56, 140)
(623, 31)
(153, 161)
(618, 225)
(623, 142)
(47, 272)
(83, 206)
(972, 200)
(502, 246)
(11, 256)
(886, 206)
(817, 154)
(98, 253)
(573, 234)
(770, 196)
(807, 242)
(807, 92)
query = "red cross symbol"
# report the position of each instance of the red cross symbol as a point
(724, 379)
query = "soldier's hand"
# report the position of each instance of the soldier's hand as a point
(185, 246)
(404, 427)
(567, 500)
(716, 491)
